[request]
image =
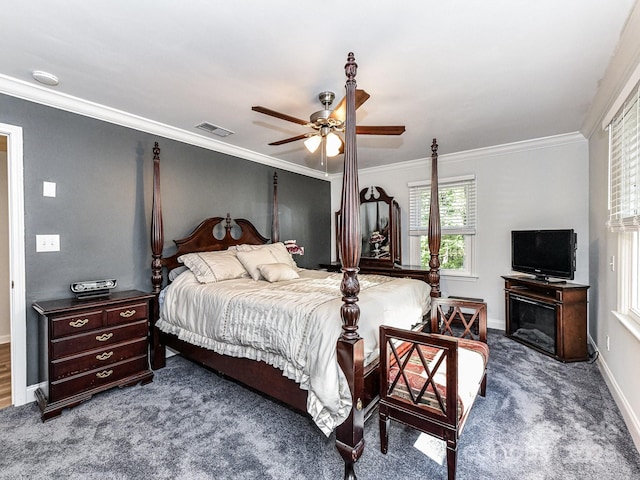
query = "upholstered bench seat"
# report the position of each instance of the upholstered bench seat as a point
(473, 356)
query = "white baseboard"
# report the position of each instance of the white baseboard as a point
(5, 339)
(496, 323)
(629, 416)
(31, 391)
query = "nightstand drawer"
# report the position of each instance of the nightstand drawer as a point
(126, 314)
(101, 358)
(74, 324)
(97, 339)
(97, 378)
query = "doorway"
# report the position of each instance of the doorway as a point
(14, 286)
(5, 314)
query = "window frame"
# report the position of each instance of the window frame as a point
(469, 270)
(628, 304)
(624, 205)
(469, 230)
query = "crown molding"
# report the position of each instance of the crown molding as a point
(45, 96)
(479, 153)
(619, 78)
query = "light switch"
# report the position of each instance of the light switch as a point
(48, 189)
(47, 243)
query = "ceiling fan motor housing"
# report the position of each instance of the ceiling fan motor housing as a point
(322, 118)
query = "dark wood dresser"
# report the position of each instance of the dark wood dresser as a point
(93, 345)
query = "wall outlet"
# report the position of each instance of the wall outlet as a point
(608, 343)
(47, 243)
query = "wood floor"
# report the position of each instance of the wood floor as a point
(5, 375)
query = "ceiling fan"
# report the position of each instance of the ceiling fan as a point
(327, 123)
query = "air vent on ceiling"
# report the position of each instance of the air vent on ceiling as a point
(216, 130)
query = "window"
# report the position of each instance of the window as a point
(629, 291)
(457, 197)
(624, 201)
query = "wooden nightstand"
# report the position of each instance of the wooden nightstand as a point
(93, 345)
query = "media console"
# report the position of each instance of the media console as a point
(547, 316)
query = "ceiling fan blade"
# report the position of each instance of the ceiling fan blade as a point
(282, 116)
(340, 112)
(380, 130)
(289, 140)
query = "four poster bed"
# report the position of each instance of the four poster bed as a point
(324, 341)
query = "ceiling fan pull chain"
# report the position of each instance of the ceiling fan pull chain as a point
(324, 155)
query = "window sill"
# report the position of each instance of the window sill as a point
(629, 323)
(459, 276)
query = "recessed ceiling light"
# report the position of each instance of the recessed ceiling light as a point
(215, 129)
(45, 78)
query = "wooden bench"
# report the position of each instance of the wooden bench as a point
(429, 381)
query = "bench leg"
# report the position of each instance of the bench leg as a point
(483, 386)
(384, 432)
(452, 449)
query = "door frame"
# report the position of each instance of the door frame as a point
(17, 277)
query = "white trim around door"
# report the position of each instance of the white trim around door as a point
(17, 264)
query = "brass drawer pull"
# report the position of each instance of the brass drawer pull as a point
(128, 313)
(79, 322)
(104, 337)
(104, 373)
(104, 356)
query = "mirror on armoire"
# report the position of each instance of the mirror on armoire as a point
(379, 228)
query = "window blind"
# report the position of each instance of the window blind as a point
(457, 198)
(624, 165)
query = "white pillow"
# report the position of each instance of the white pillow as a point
(209, 267)
(278, 249)
(173, 274)
(253, 259)
(277, 272)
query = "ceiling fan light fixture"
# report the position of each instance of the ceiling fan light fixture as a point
(328, 124)
(312, 143)
(333, 144)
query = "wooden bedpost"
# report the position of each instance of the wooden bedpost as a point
(350, 348)
(275, 222)
(157, 244)
(434, 225)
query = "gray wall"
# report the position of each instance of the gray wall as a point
(102, 209)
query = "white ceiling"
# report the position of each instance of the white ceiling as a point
(471, 73)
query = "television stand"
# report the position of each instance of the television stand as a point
(549, 317)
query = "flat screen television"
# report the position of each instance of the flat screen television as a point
(544, 253)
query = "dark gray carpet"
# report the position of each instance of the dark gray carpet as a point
(541, 419)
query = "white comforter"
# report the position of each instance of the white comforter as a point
(293, 325)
